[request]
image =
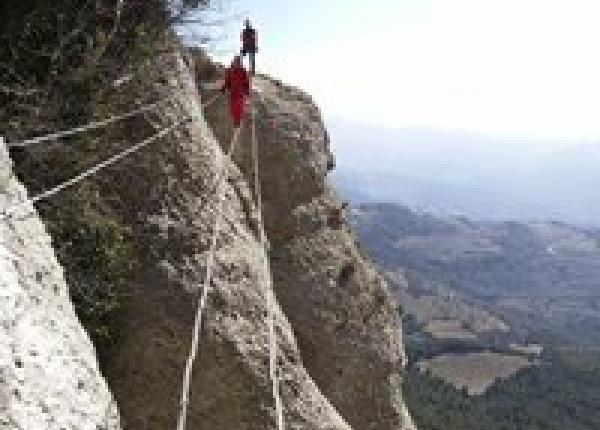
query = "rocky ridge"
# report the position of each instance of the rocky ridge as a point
(340, 346)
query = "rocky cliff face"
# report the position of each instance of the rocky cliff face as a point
(49, 377)
(231, 387)
(340, 349)
(344, 319)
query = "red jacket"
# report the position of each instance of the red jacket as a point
(237, 82)
(249, 39)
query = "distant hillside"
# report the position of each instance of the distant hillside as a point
(543, 278)
(502, 319)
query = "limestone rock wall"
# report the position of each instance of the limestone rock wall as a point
(340, 353)
(165, 196)
(347, 324)
(49, 377)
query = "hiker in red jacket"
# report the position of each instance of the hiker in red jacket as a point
(238, 84)
(249, 45)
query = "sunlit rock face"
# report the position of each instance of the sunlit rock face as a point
(49, 377)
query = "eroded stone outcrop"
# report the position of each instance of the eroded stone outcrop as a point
(340, 352)
(49, 377)
(346, 322)
(165, 196)
(230, 388)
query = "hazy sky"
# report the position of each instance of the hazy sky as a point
(494, 66)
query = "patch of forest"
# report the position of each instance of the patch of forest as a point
(562, 393)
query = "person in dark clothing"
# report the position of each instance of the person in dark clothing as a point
(250, 45)
(237, 83)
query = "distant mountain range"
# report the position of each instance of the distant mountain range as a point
(466, 174)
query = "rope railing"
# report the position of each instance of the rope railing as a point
(9, 212)
(271, 310)
(206, 288)
(98, 124)
(87, 127)
(265, 279)
(208, 279)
